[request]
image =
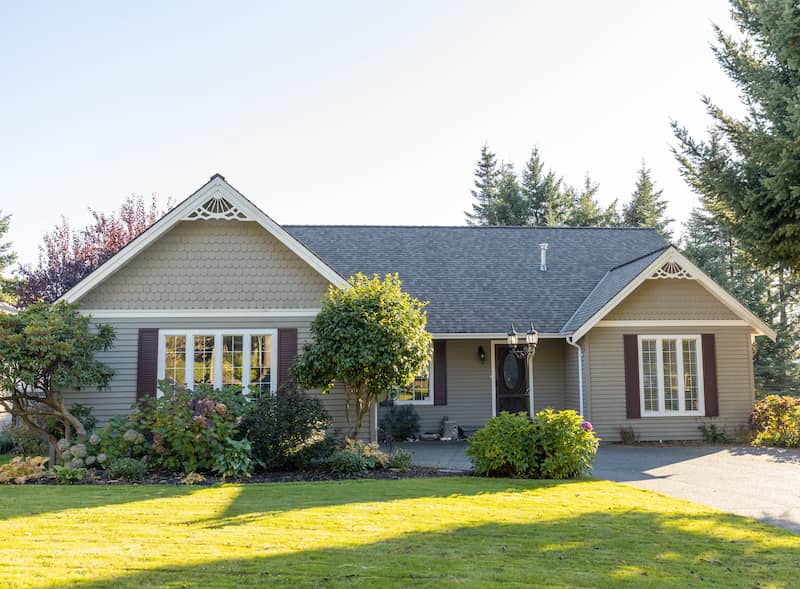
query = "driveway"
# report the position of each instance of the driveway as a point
(763, 483)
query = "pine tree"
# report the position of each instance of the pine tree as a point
(647, 208)
(558, 207)
(586, 211)
(7, 258)
(511, 208)
(485, 193)
(771, 294)
(538, 187)
(747, 171)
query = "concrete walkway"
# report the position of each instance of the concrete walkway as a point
(754, 482)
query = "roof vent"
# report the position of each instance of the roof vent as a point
(543, 257)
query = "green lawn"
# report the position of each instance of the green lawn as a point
(448, 532)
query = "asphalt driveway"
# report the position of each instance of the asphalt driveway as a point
(763, 483)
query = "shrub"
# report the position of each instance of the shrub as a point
(66, 475)
(506, 446)
(189, 430)
(566, 444)
(712, 434)
(400, 459)
(555, 444)
(400, 422)
(28, 442)
(234, 460)
(121, 438)
(357, 457)
(22, 469)
(287, 430)
(193, 478)
(776, 421)
(128, 469)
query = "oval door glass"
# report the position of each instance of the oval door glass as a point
(511, 371)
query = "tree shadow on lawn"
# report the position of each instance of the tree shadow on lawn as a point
(29, 500)
(255, 501)
(636, 548)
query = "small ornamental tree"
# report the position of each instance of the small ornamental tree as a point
(44, 350)
(371, 337)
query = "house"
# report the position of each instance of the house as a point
(631, 333)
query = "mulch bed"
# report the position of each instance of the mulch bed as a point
(308, 475)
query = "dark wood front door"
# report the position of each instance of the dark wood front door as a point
(511, 381)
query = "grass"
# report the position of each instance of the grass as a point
(5, 458)
(449, 532)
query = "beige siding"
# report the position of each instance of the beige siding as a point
(607, 385)
(670, 299)
(212, 265)
(548, 374)
(122, 357)
(571, 382)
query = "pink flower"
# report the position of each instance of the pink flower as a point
(586, 426)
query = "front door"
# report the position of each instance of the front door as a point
(511, 381)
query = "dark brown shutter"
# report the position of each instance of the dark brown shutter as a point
(287, 350)
(632, 404)
(710, 374)
(147, 364)
(440, 372)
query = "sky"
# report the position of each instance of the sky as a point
(346, 112)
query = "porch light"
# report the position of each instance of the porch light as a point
(529, 348)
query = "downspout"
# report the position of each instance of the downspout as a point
(580, 373)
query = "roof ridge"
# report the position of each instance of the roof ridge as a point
(660, 249)
(472, 227)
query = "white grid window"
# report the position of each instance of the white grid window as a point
(420, 392)
(246, 358)
(670, 375)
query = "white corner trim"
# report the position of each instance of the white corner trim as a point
(215, 188)
(672, 323)
(183, 313)
(671, 254)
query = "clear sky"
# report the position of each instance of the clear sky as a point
(340, 112)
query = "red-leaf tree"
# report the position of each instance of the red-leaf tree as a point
(67, 256)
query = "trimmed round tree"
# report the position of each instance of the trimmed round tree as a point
(370, 336)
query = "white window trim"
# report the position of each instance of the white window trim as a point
(218, 334)
(662, 412)
(429, 400)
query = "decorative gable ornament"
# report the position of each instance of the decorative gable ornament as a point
(216, 207)
(673, 270)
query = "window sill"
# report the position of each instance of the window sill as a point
(675, 414)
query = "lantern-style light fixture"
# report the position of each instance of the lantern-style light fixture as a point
(528, 349)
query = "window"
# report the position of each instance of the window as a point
(225, 358)
(669, 373)
(420, 392)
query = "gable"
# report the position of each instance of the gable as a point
(211, 264)
(671, 299)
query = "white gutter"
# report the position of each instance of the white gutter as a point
(580, 373)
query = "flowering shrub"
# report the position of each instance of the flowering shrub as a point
(776, 421)
(192, 430)
(554, 444)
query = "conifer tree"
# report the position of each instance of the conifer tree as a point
(485, 193)
(586, 211)
(7, 257)
(511, 208)
(538, 187)
(747, 169)
(647, 208)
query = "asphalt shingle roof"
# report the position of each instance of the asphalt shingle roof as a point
(481, 279)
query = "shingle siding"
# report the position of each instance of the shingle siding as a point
(212, 265)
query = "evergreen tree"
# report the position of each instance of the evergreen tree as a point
(485, 193)
(7, 257)
(771, 294)
(647, 208)
(586, 211)
(538, 187)
(511, 208)
(747, 170)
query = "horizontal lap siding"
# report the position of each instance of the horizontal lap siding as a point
(670, 299)
(469, 401)
(607, 384)
(548, 375)
(571, 382)
(122, 357)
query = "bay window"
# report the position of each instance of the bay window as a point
(246, 359)
(670, 375)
